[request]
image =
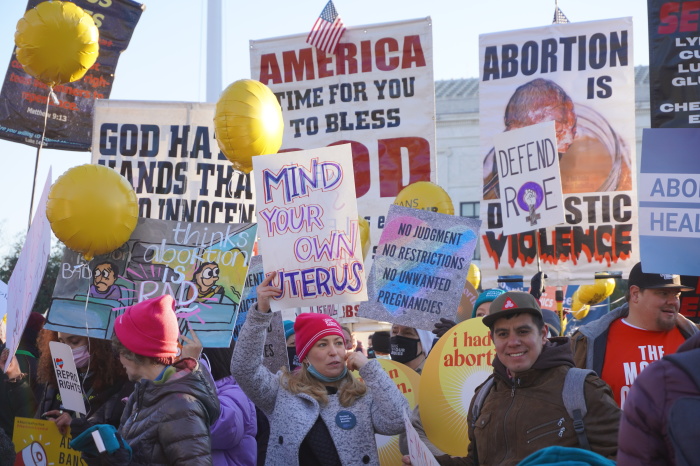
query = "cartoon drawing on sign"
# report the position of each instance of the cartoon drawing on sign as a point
(104, 277)
(202, 266)
(205, 278)
(593, 156)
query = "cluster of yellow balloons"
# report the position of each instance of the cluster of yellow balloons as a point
(92, 209)
(589, 295)
(248, 122)
(57, 42)
(425, 195)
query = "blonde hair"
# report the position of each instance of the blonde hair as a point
(301, 381)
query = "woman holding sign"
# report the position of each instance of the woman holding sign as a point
(102, 379)
(319, 414)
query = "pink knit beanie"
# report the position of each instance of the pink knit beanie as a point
(310, 327)
(149, 328)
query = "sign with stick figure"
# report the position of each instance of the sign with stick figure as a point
(530, 182)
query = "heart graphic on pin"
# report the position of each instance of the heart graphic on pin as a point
(509, 304)
(59, 363)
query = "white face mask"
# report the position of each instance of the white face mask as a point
(81, 356)
(383, 356)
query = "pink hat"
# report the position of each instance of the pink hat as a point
(149, 328)
(310, 327)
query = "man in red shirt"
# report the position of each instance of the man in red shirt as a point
(641, 331)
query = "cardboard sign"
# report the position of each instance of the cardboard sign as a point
(203, 266)
(458, 363)
(419, 453)
(67, 377)
(420, 267)
(168, 152)
(39, 443)
(585, 82)
(377, 93)
(529, 180)
(309, 229)
(669, 213)
(28, 273)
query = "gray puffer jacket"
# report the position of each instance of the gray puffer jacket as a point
(167, 422)
(291, 416)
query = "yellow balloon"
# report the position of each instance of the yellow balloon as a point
(578, 309)
(425, 195)
(364, 236)
(92, 209)
(593, 294)
(57, 42)
(248, 122)
(474, 275)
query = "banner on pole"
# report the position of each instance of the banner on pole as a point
(69, 122)
(581, 76)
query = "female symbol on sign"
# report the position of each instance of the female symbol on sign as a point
(530, 197)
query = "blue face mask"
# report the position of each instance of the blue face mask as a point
(312, 370)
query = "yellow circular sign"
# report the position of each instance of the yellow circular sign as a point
(407, 381)
(459, 362)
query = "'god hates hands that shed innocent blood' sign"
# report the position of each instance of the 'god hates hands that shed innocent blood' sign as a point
(530, 182)
(308, 226)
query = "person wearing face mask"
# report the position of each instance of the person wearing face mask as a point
(409, 347)
(102, 378)
(320, 414)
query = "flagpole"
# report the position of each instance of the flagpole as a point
(214, 55)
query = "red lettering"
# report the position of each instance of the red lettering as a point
(412, 52)
(381, 49)
(269, 69)
(296, 66)
(345, 56)
(668, 18)
(391, 168)
(689, 306)
(689, 16)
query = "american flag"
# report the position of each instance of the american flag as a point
(327, 30)
(559, 16)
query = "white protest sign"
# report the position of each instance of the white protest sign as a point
(419, 453)
(530, 182)
(67, 377)
(308, 226)
(25, 281)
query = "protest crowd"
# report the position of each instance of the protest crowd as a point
(323, 313)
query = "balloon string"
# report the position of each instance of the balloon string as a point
(87, 334)
(53, 97)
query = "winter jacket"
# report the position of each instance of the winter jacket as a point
(526, 414)
(166, 422)
(233, 434)
(644, 428)
(18, 399)
(590, 341)
(291, 416)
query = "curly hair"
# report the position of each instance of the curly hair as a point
(106, 368)
(301, 381)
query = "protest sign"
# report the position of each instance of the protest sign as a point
(67, 377)
(24, 284)
(420, 268)
(581, 75)
(275, 354)
(69, 121)
(674, 73)
(202, 265)
(39, 443)
(419, 453)
(528, 171)
(169, 154)
(309, 229)
(669, 214)
(458, 363)
(376, 93)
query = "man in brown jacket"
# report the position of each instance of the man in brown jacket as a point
(524, 410)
